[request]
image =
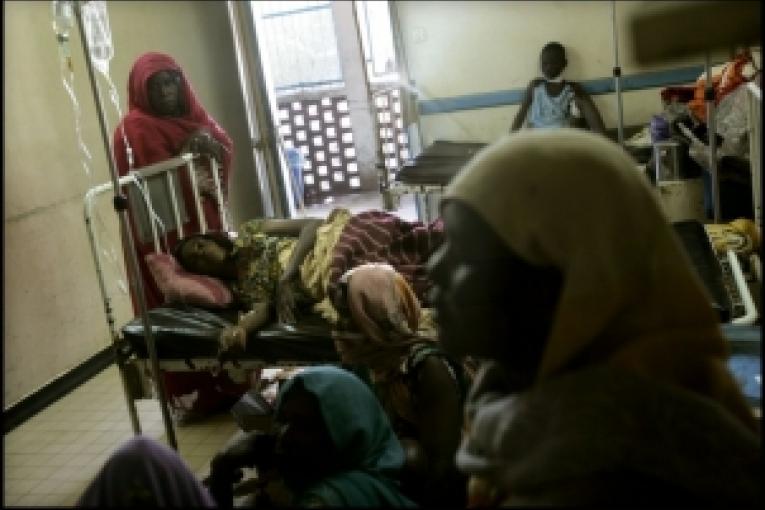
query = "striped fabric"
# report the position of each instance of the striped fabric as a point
(377, 236)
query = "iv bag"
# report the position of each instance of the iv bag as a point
(63, 19)
(96, 22)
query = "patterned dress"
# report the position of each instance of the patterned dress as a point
(258, 260)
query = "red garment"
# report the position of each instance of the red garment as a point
(154, 139)
(724, 83)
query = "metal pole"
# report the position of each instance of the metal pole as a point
(120, 205)
(132, 412)
(709, 98)
(617, 77)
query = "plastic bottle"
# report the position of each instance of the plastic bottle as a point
(659, 129)
(96, 21)
(63, 19)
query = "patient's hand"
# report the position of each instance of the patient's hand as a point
(232, 338)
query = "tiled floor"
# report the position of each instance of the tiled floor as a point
(50, 459)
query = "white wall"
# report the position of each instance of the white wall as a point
(458, 48)
(54, 317)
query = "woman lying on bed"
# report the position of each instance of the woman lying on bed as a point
(278, 267)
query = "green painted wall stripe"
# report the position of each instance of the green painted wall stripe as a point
(640, 81)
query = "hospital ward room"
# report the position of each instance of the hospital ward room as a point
(381, 253)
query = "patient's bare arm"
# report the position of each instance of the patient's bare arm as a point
(285, 292)
(256, 318)
(589, 110)
(431, 458)
(235, 337)
(520, 117)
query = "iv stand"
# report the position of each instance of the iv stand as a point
(617, 71)
(709, 99)
(120, 206)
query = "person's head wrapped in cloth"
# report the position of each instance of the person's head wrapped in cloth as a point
(335, 442)
(385, 312)
(144, 473)
(163, 114)
(607, 360)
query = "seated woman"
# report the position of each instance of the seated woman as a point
(606, 379)
(420, 387)
(333, 446)
(284, 265)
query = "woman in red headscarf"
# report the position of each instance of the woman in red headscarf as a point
(164, 120)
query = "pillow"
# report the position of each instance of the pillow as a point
(180, 286)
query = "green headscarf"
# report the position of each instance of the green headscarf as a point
(367, 451)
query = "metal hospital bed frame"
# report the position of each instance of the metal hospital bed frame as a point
(185, 337)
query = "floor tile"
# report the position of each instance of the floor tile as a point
(51, 458)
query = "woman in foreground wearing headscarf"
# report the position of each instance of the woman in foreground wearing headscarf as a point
(606, 378)
(164, 120)
(422, 389)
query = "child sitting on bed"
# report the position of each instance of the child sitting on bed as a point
(548, 101)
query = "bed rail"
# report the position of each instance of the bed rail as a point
(754, 94)
(139, 180)
(168, 167)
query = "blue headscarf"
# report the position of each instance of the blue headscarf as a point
(367, 451)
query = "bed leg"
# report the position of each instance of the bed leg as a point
(129, 397)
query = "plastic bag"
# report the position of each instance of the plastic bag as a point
(724, 83)
(732, 123)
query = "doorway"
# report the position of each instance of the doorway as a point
(332, 70)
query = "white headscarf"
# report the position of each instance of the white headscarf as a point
(575, 201)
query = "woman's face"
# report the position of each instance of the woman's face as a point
(204, 256)
(466, 288)
(552, 62)
(489, 303)
(165, 93)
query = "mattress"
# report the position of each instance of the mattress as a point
(184, 332)
(438, 163)
(696, 242)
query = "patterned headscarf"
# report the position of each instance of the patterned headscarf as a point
(386, 312)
